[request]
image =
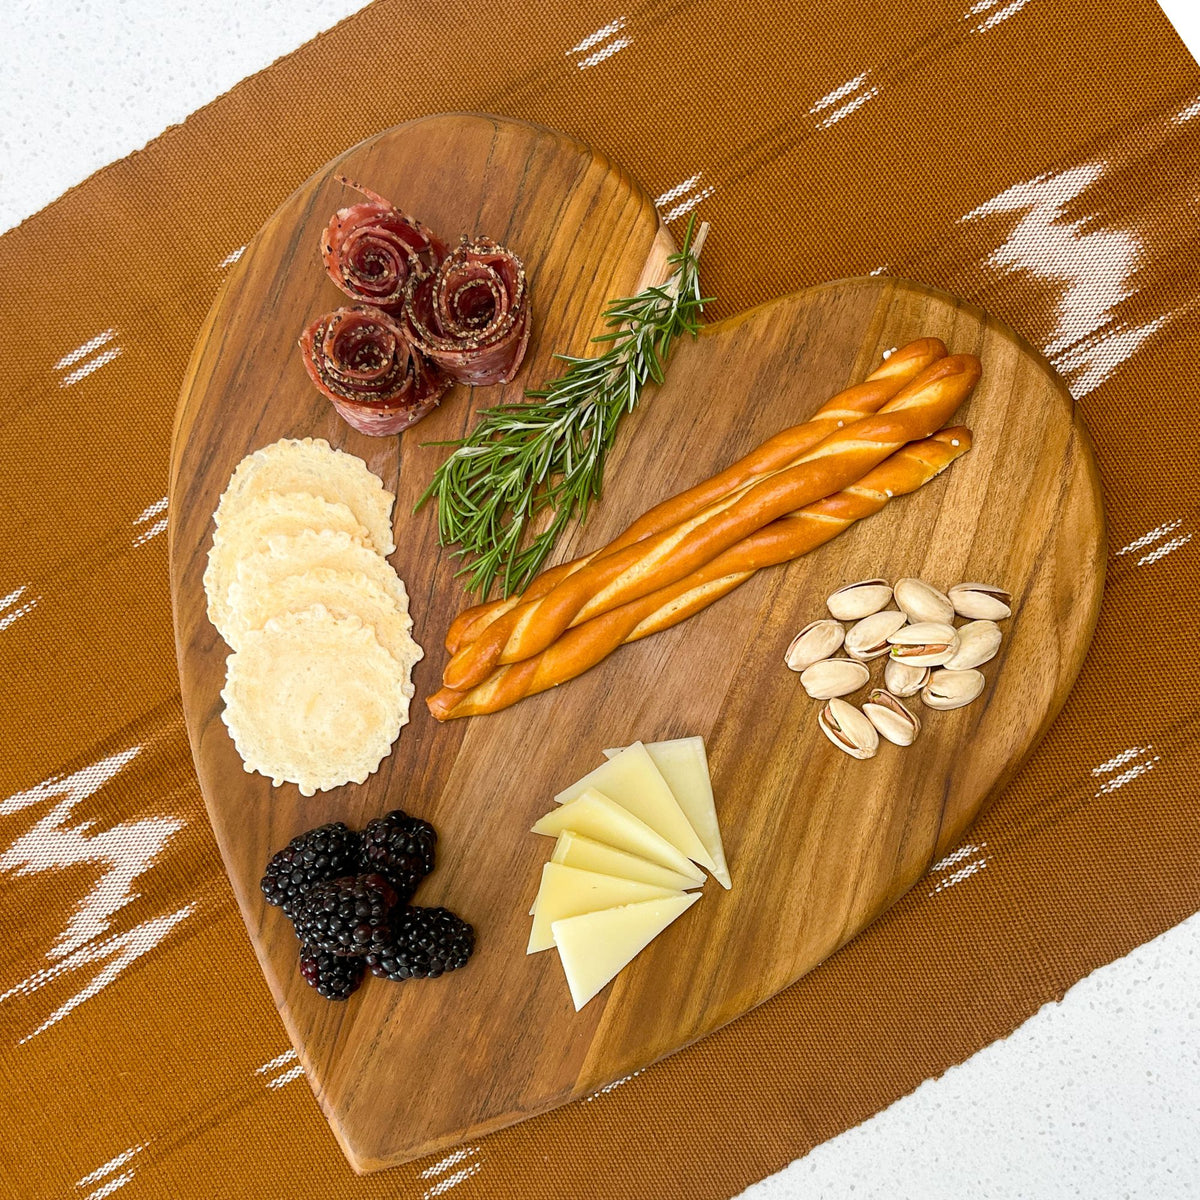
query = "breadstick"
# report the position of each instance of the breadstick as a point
(788, 537)
(900, 368)
(661, 559)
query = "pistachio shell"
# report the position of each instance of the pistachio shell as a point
(868, 639)
(952, 689)
(926, 644)
(978, 642)
(858, 600)
(848, 729)
(813, 643)
(921, 601)
(981, 601)
(834, 677)
(903, 679)
(891, 718)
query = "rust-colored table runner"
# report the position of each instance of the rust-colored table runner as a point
(1037, 156)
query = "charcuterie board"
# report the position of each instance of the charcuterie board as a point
(819, 844)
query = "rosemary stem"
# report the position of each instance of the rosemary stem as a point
(549, 453)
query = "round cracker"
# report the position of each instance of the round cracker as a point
(312, 465)
(294, 554)
(313, 699)
(344, 594)
(259, 518)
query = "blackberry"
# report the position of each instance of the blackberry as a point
(335, 976)
(400, 848)
(327, 852)
(346, 916)
(425, 943)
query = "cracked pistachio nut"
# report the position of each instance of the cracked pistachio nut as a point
(978, 642)
(901, 679)
(868, 638)
(921, 601)
(925, 644)
(848, 729)
(813, 643)
(981, 601)
(858, 600)
(952, 689)
(834, 677)
(891, 718)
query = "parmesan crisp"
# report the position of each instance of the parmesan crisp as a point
(313, 699)
(298, 553)
(259, 518)
(298, 584)
(344, 594)
(311, 465)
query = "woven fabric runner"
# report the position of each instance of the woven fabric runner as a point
(1040, 157)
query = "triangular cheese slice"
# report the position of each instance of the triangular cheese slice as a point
(683, 763)
(575, 850)
(569, 892)
(636, 784)
(596, 816)
(594, 947)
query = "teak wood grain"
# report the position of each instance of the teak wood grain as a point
(819, 844)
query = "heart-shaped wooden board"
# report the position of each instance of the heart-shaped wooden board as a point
(819, 844)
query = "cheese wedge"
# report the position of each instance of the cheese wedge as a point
(575, 850)
(636, 784)
(595, 946)
(569, 892)
(683, 763)
(596, 816)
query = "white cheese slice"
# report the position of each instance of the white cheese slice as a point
(636, 784)
(595, 946)
(569, 892)
(575, 850)
(683, 763)
(596, 816)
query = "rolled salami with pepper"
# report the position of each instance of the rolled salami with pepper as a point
(362, 361)
(372, 249)
(471, 314)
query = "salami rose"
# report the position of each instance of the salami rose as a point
(360, 358)
(372, 248)
(471, 314)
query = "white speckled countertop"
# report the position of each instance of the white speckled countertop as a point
(1097, 1097)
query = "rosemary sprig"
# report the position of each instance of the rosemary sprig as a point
(523, 459)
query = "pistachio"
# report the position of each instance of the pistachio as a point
(834, 677)
(981, 601)
(904, 680)
(891, 718)
(858, 600)
(848, 729)
(926, 644)
(921, 601)
(813, 643)
(978, 642)
(952, 689)
(868, 639)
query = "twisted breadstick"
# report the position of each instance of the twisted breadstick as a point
(656, 561)
(786, 538)
(900, 368)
